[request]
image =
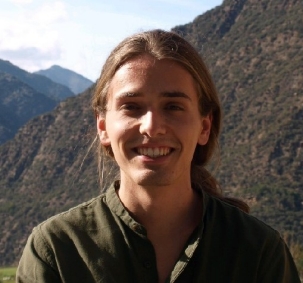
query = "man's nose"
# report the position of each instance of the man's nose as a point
(152, 124)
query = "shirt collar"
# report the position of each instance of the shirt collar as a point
(115, 205)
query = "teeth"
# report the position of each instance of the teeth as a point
(150, 152)
(154, 152)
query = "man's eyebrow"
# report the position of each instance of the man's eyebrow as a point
(129, 94)
(171, 94)
(175, 94)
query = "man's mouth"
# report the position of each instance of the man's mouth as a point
(154, 151)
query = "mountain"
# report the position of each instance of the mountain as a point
(18, 104)
(255, 52)
(39, 83)
(77, 83)
(46, 168)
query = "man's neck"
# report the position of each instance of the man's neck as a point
(156, 205)
(169, 215)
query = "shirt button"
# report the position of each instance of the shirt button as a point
(136, 227)
(147, 264)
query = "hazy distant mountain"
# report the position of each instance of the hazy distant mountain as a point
(18, 104)
(77, 83)
(40, 83)
(255, 51)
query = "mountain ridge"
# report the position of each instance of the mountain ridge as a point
(75, 82)
(24, 95)
(40, 83)
(18, 104)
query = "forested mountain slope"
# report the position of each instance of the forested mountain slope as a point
(40, 83)
(18, 104)
(255, 52)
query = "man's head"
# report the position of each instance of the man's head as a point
(165, 45)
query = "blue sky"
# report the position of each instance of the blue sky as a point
(79, 34)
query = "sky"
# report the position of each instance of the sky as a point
(79, 34)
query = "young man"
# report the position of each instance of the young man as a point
(165, 219)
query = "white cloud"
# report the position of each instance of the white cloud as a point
(31, 53)
(49, 13)
(79, 34)
(31, 58)
(33, 39)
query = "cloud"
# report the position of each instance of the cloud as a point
(49, 13)
(31, 58)
(31, 53)
(79, 34)
(34, 38)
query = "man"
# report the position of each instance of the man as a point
(165, 219)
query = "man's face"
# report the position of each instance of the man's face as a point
(153, 123)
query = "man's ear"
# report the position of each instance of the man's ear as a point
(101, 128)
(206, 128)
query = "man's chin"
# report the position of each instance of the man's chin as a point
(153, 179)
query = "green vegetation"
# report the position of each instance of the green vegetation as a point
(296, 250)
(7, 274)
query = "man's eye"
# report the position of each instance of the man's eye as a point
(174, 107)
(130, 107)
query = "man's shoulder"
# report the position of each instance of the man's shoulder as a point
(237, 221)
(79, 216)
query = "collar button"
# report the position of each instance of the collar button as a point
(147, 264)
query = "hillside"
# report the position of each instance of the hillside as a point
(255, 52)
(41, 171)
(40, 83)
(77, 83)
(18, 104)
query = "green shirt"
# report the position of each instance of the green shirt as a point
(99, 241)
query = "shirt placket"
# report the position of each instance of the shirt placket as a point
(145, 254)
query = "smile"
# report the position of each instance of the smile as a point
(154, 151)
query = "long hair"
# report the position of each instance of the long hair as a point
(169, 45)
